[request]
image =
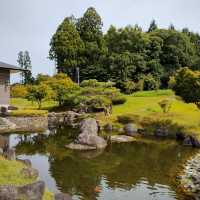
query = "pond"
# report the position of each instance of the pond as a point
(143, 170)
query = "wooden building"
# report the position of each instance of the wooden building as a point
(5, 71)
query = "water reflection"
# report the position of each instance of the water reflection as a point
(141, 170)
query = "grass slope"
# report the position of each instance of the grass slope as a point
(145, 104)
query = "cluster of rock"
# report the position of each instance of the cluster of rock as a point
(34, 191)
(6, 125)
(126, 134)
(190, 180)
(18, 124)
(68, 118)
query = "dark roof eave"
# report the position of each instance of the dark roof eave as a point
(12, 68)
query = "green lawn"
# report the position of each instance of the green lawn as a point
(145, 104)
(28, 108)
(24, 104)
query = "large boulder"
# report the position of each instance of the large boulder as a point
(130, 129)
(108, 127)
(33, 191)
(92, 140)
(88, 138)
(89, 126)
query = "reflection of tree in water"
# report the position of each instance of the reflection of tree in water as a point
(52, 143)
(122, 165)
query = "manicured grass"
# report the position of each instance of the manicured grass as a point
(10, 173)
(153, 93)
(24, 104)
(27, 108)
(145, 104)
(29, 113)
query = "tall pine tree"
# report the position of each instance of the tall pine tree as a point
(24, 62)
(90, 30)
(66, 48)
(153, 26)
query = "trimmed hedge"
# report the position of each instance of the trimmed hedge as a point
(118, 100)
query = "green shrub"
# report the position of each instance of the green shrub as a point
(151, 126)
(94, 83)
(187, 85)
(130, 87)
(98, 103)
(128, 118)
(89, 83)
(150, 83)
(120, 85)
(39, 93)
(109, 92)
(75, 100)
(118, 100)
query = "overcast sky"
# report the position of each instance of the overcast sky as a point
(29, 24)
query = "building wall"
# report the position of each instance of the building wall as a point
(4, 86)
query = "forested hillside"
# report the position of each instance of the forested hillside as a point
(126, 55)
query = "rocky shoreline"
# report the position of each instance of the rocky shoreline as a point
(190, 178)
(33, 191)
(70, 118)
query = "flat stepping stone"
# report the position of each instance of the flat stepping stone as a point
(122, 138)
(79, 147)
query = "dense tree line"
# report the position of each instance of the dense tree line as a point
(122, 54)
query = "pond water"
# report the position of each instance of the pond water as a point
(143, 170)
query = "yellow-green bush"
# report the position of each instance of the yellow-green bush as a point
(128, 118)
(18, 91)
